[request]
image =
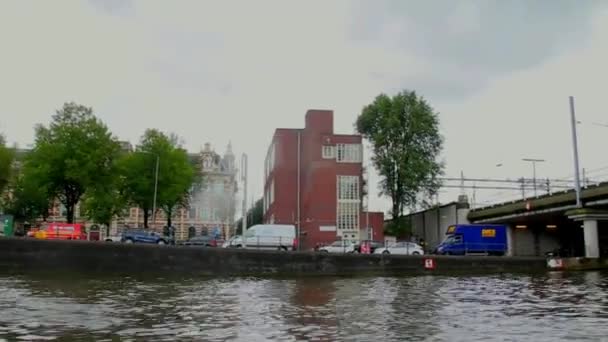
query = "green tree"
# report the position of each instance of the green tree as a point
(102, 203)
(255, 216)
(176, 174)
(28, 199)
(72, 155)
(404, 133)
(6, 163)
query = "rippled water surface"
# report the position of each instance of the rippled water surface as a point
(428, 308)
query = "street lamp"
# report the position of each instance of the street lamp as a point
(534, 161)
(577, 181)
(244, 179)
(155, 183)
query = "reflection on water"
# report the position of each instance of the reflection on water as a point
(427, 308)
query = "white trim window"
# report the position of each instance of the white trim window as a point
(349, 153)
(269, 162)
(328, 152)
(349, 203)
(271, 192)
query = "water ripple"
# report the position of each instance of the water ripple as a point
(427, 308)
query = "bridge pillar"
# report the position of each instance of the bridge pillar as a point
(592, 245)
(510, 247)
(589, 217)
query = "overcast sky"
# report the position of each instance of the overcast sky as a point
(498, 72)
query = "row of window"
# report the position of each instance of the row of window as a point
(269, 162)
(343, 153)
(349, 203)
(205, 214)
(269, 196)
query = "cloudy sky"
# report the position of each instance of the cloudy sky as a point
(498, 72)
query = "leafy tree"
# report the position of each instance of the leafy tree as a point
(102, 204)
(28, 199)
(255, 216)
(6, 162)
(73, 154)
(176, 174)
(399, 227)
(104, 201)
(404, 134)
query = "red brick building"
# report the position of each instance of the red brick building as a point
(313, 179)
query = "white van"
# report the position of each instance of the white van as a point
(268, 236)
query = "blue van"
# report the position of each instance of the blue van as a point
(463, 239)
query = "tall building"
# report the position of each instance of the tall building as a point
(313, 179)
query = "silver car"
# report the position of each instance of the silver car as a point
(401, 248)
(340, 246)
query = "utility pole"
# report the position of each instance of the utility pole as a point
(577, 181)
(585, 181)
(369, 230)
(155, 190)
(523, 188)
(244, 179)
(461, 182)
(534, 161)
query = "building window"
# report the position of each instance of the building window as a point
(207, 163)
(269, 162)
(271, 194)
(349, 203)
(63, 211)
(349, 153)
(329, 152)
(218, 188)
(192, 213)
(206, 214)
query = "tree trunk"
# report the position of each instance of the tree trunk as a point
(169, 216)
(69, 208)
(146, 215)
(395, 211)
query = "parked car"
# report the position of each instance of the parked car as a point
(144, 236)
(268, 236)
(202, 240)
(61, 231)
(339, 246)
(230, 242)
(373, 246)
(401, 248)
(113, 238)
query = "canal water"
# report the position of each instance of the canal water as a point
(72, 307)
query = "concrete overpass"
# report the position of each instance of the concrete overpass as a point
(549, 222)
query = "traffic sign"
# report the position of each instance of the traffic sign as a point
(429, 264)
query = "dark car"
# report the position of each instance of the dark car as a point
(373, 246)
(203, 240)
(144, 236)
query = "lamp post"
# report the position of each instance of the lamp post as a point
(244, 179)
(577, 181)
(368, 229)
(534, 161)
(155, 183)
